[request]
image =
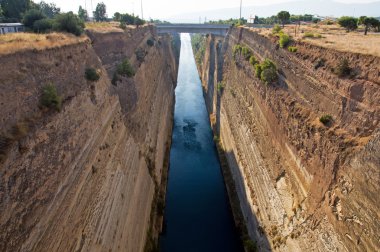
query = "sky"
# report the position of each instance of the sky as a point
(162, 9)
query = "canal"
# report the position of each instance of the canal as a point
(197, 214)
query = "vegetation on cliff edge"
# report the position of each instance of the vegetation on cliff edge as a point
(198, 42)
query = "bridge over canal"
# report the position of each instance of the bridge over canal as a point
(216, 29)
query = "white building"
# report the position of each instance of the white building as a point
(11, 28)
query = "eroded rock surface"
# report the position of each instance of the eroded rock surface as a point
(302, 185)
(84, 178)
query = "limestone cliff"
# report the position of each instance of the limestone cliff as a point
(84, 178)
(302, 185)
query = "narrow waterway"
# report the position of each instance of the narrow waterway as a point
(197, 214)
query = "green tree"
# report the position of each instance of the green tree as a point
(370, 22)
(14, 9)
(284, 17)
(116, 16)
(42, 25)
(256, 20)
(131, 19)
(350, 23)
(69, 22)
(361, 20)
(32, 16)
(1, 14)
(100, 13)
(49, 9)
(82, 14)
(139, 21)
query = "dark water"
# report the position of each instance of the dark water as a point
(197, 213)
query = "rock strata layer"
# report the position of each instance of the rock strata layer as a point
(302, 185)
(84, 178)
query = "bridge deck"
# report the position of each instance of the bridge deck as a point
(216, 29)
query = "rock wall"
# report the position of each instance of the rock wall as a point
(84, 178)
(303, 186)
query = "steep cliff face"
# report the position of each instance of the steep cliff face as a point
(84, 178)
(302, 185)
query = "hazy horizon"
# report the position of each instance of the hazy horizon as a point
(174, 9)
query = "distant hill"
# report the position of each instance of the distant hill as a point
(320, 7)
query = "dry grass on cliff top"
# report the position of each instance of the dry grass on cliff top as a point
(334, 37)
(104, 27)
(15, 42)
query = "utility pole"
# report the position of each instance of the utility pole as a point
(142, 12)
(92, 11)
(241, 2)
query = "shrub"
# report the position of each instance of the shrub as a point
(160, 206)
(92, 74)
(250, 246)
(253, 61)
(140, 54)
(258, 70)
(50, 98)
(20, 130)
(343, 69)
(268, 72)
(32, 16)
(43, 25)
(125, 69)
(284, 40)
(320, 63)
(5, 142)
(150, 42)
(326, 119)
(269, 75)
(308, 35)
(122, 25)
(69, 22)
(276, 29)
(292, 49)
(216, 139)
(236, 50)
(115, 78)
(317, 35)
(220, 86)
(246, 53)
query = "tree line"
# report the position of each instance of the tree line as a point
(352, 23)
(45, 17)
(284, 17)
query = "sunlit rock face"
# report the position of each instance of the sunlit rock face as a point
(84, 178)
(303, 185)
